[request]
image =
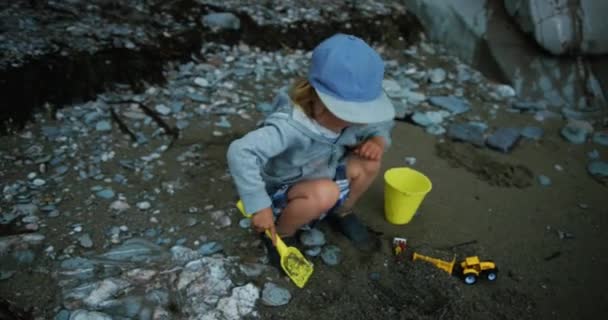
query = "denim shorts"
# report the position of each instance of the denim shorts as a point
(279, 197)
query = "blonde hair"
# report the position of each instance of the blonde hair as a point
(304, 96)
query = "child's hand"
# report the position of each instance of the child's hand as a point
(264, 220)
(371, 148)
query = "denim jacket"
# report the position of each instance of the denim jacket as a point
(283, 151)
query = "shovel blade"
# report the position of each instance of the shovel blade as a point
(296, 266)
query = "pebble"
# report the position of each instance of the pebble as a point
(435, 130)
(144, 205)
(469, 132)
(245, 223)
(162, 109)
(410, 161)
(598, 168)
(85, 240)
(544, 180)
(202, 82)
(374, 276)
(103, 126)
(312, 238)
(252, 270)
(275, 296)
(534, 133)
(39, 182)
(106, 194)
(210, 248)
(557, 167)
(331, 255)
(505, 91)
(503, 139)
(313, 252)
(601, 138)
(437, 75)
(593, 155)
(450, 103)
(576, 131)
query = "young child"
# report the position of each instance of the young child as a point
(321, 149)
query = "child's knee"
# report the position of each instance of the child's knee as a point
(371, 167)
(325, 195)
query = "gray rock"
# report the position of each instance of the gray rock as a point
(245, 223)
(136, 250)
(128, 307)
(158, 297)
(544, 180)
(239, 305)
(374, 276)
(85, 240)
(182, 255)
(24, 256)
(413, 97)
(79, 268)
(275, 296)
(106, 194)
(252, 269)
(554, 25)
(451, 103)
(469, 132)
(312, 238)
(331, 255)
(427, 118)
(437, 75)
(313, 252)
(88, 315)
(435, 130)
(528, 105)
(574, 134)
(103, 126)
(601, 138)
(224, 20)
(505, 91)
(162, 109)
(63, 314)
(467, 26)
(6, 274)
(534, 133)
(593, 155)
(210, 248)
(503, 139)
(598, 168)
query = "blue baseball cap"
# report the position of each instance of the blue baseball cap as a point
(347, 75)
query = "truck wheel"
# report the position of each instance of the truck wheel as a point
(470, 279)
(491, 275)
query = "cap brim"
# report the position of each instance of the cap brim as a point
(377, 110)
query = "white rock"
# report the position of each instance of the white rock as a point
(119, 205)
(143, 205)
(202, 82)
(240, 303)
(105, 290)
(163, 109)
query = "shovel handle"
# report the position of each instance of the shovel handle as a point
(280, 245)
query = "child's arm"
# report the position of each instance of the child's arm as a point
(247, 157)
(376, 138)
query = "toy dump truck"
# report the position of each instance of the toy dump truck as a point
(468, 270)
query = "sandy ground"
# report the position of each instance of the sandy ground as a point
(541, 275)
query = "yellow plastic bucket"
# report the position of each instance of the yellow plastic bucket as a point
(404, 190)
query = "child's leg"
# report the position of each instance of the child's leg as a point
(361, 173)
(307, 201)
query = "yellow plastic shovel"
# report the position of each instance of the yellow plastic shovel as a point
(293, 262)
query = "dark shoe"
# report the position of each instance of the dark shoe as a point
(356, 232)
(274, 259)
